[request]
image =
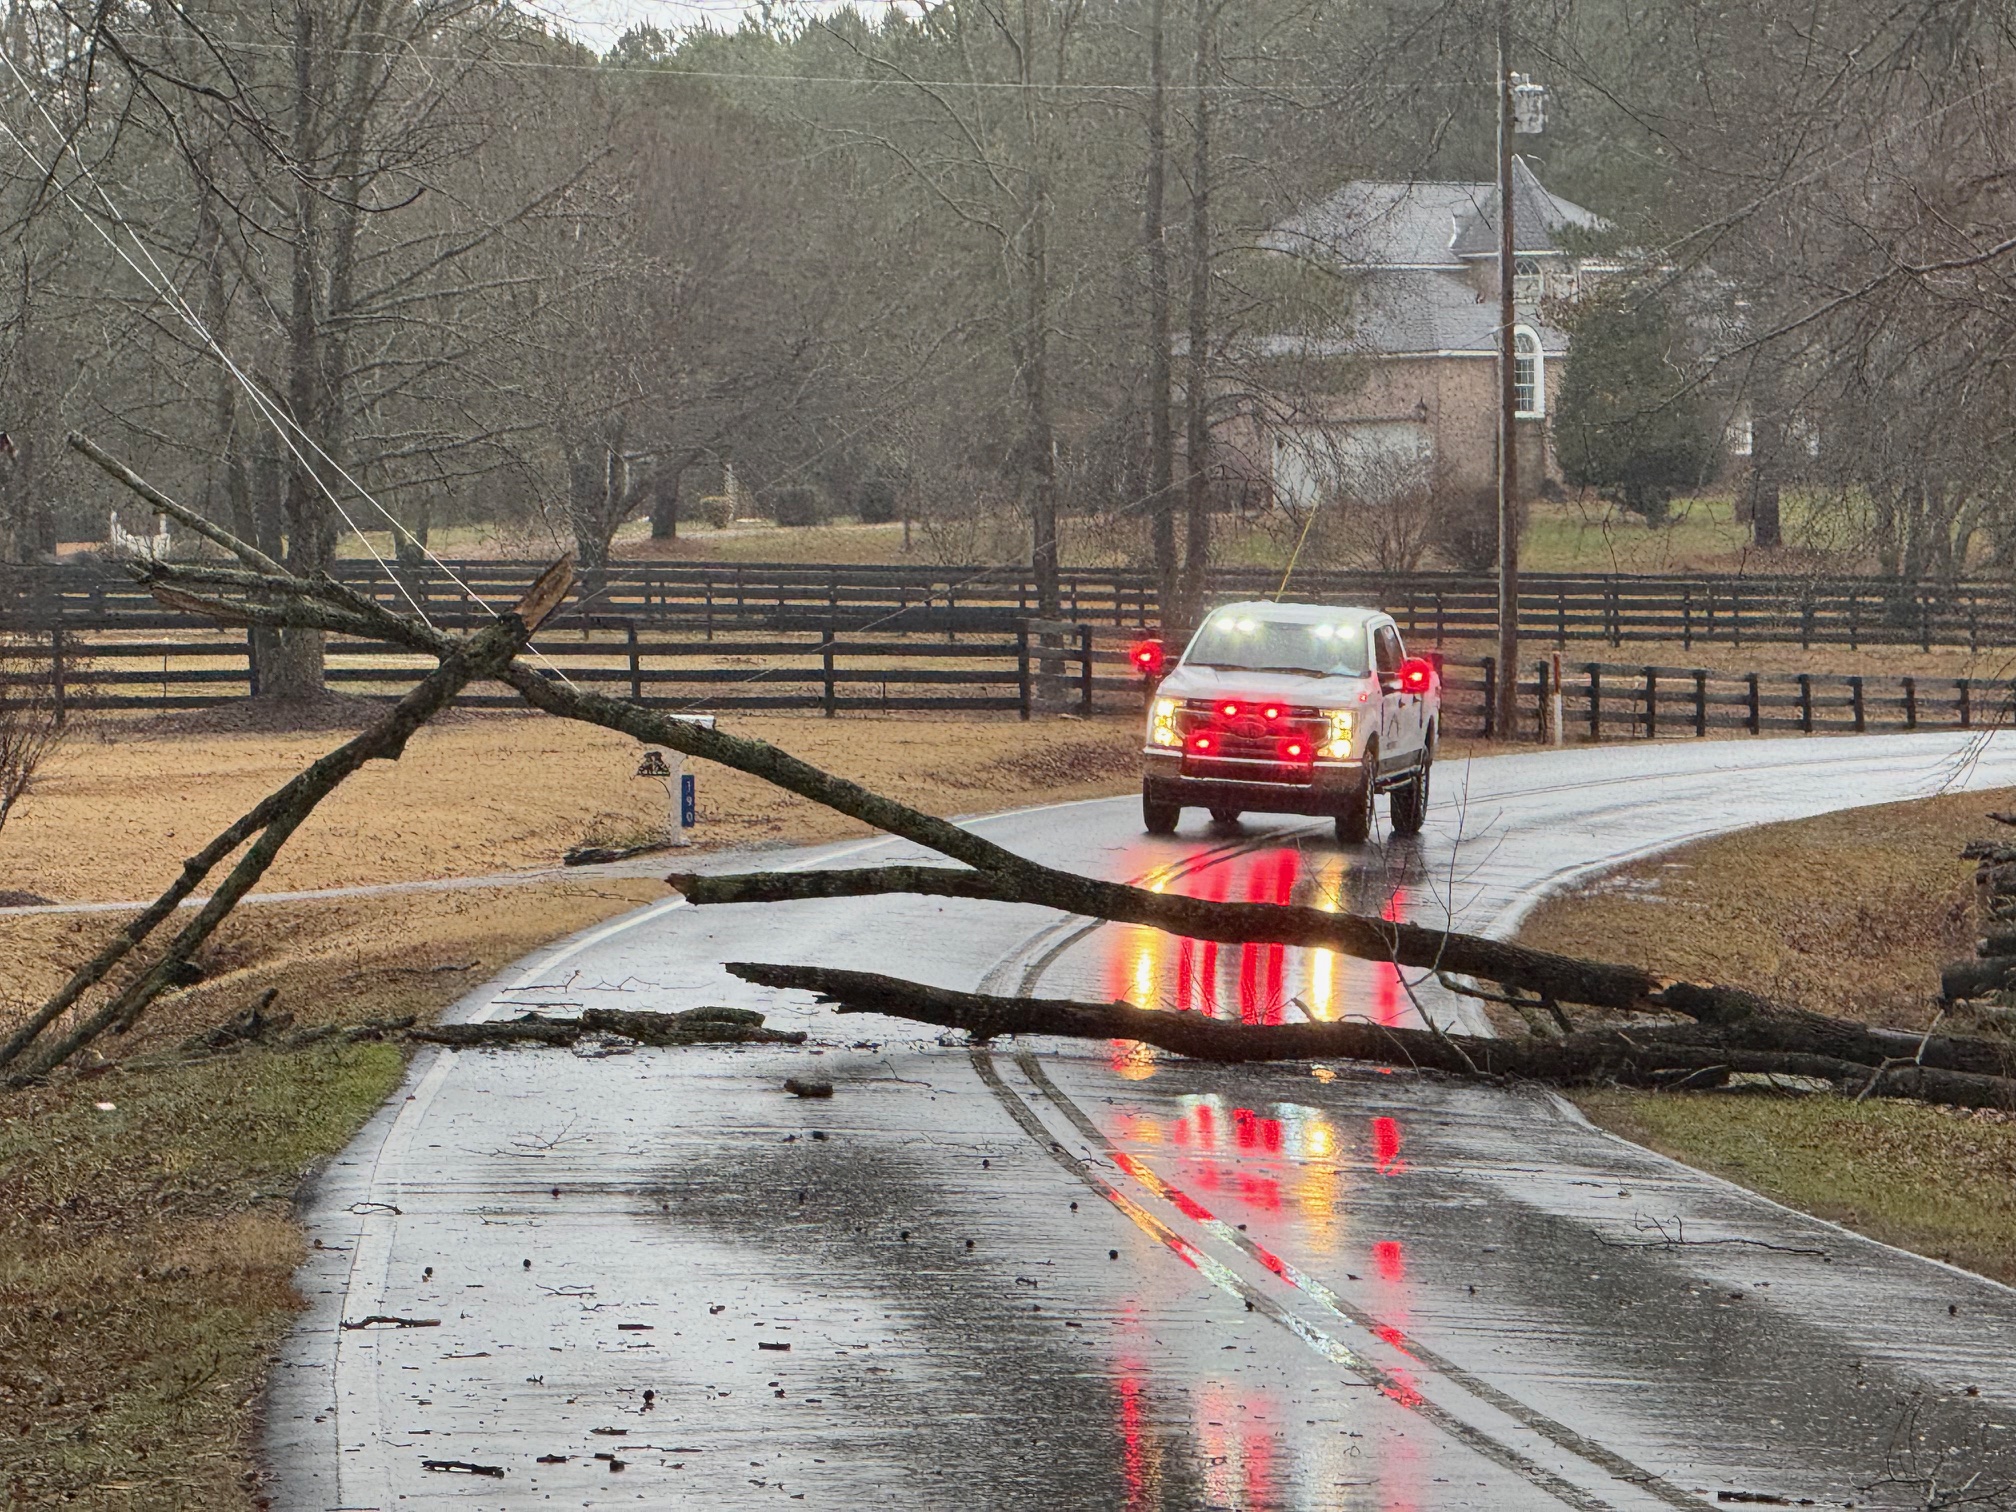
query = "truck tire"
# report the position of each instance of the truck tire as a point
(1409, 805)
(1354, 824)
(1158, 815)
(1224, 816)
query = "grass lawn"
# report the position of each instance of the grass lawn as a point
(147, 1239)
(1850, 913)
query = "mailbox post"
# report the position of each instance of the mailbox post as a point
(681, 797)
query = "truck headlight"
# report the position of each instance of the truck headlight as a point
(1337, 742)
(1162, 731)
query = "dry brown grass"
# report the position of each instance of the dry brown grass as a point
(126, 799)
(1852, 914)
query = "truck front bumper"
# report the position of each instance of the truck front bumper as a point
(1327, 787)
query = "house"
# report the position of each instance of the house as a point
(1406, 385)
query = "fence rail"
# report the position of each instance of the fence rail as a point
(710, 599)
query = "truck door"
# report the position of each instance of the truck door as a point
(1400, 724)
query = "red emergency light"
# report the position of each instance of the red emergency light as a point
(1147, 657)
(1417, 675)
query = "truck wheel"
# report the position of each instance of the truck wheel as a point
(1224, 816)
(1409, 807)
(1354, 825)
(1158, 815)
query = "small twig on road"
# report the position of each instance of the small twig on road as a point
(1678, 1239)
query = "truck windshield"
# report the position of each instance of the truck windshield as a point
(1251, 643)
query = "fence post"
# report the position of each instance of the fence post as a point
(1925, 622)
(1855, 694)
(1806, 703)
(1700, 702)
(1490, 697)
(1854, 620)
(1966, 703)
(636, 677)
(1735, 618)
(1438, 616)
(1542, 688)
(1806, 625)
(1687, 619)
(1756, 709)
(1595, 702)
(1022, 665)
(57, 684)
(1561, 619)
(1910, 703)
(1085, 666)
(826, 659)
(1559, 713)
(710, 608)
(1651, 704)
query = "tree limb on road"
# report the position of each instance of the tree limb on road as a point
(1638, 1058)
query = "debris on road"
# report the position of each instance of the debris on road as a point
(807, 1086)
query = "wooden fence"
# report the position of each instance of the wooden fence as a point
(708, 599)
(1598, 700)
(975, 663)
(1026, 667)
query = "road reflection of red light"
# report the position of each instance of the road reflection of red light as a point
(1254, 1132)
(1133, 1450)
(1390, 1260)
(1386, 1145)
(1260, 1191)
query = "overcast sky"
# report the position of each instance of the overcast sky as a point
(600, 22)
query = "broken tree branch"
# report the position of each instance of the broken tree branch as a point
(1638, 1058)
(274, 821)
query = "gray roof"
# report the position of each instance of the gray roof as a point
(1410, 244)
(1402, 312)
(1427, 223)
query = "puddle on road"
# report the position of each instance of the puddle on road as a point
(1258, 984)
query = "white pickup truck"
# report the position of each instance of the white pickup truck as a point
(1292, 709)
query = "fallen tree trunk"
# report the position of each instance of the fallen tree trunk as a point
(1635, 1058)
(1562, 979)
(696, 1026)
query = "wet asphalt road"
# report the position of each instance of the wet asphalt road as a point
(1058, 1276)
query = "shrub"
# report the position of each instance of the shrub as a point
(1466, 527)
(799, 505)
(1629, 423)
(718, 510)
(875, 500)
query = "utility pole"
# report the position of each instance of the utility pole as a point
(1507, 712)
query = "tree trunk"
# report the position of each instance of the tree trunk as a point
(1155, 245)
(665, 503)
(1041, 439)
(1196, 378)
(296, 673)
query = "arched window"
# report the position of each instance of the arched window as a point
(1529, 374)
(1528, 284)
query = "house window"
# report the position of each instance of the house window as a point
(1529, 374)
(1528, 283)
